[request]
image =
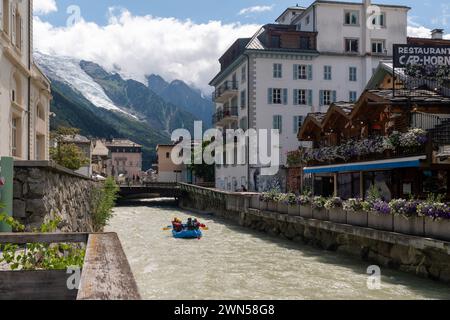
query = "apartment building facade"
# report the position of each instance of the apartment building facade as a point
(126, 159)
(25, 92)
(314, 56)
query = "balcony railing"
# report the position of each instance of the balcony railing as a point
(227, 113)
(225, 91)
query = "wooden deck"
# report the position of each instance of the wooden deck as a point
(106, 273)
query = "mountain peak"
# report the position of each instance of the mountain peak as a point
(157, 83)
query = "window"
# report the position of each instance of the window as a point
(351, 18)
(244, 73)
(278, 123)
(302, 72)
(243, 99)
(167, 155)
(377, 46)
(277, 70)
(277, 96)
(308, 20)
(304, 43)
(352, 45)
(298, 122)
(303, 97)
(14, 136)
(327, 97)
(353, 73)
(379, 21)
(327, 72)
(300, 97)
(353, 96)
(275, 41)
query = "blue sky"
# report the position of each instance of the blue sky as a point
(429, 13)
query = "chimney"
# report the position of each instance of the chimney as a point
(437, 34)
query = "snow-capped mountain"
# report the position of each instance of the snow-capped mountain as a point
(69, 71)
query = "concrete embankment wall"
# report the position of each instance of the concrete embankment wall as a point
(44, 191)
(424, 257)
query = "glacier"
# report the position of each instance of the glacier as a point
(69, 71)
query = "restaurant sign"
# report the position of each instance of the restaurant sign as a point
(409, 55)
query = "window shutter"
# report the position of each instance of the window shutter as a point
(20, 44)
(296, 102)
(280, 124)
(310, 72)
(310, 97)
(269, 96)
(296, 124)
(334, 96)
(321, 97)
(13, 25)
(275, 122)
(295, 71)
(285, 96)
(1, 16)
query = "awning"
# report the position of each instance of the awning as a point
(411, 162)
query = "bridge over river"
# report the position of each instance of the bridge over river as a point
(161, 189)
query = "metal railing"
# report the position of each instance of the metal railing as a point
(426, 121)
(227, 86)
(225, 113)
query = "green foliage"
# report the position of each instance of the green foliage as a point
(41, 256)
(10, 221)
(373, 194)
(104, 201)
(66, 154)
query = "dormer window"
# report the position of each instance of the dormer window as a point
(275, 41)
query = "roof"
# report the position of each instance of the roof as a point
(428, 41)
(77, 138)
(421, 95)
(346, 107)
(296, 8)
(100, 149)
(122, 143)
(318, 116)
(359, 4)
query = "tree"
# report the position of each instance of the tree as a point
(203, 170)
(67, 154)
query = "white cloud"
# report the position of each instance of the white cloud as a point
(421, 32)
(255, 9)
(142, 45)
(43, 7)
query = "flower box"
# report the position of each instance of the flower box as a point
(437, 229)
(338, 215)
(379, 221)
(306, 212)
(413, 226)
(282, 207)
(357, 218)
(294, 210)
(320, 214)
(272, 206)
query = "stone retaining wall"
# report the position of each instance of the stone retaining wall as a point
(44, 191)
(421, 256)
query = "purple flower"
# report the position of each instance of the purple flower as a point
(382, 207)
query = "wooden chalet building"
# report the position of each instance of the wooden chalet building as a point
(400, 144)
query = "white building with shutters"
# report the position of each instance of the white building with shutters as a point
(312, 57)
(24, 90)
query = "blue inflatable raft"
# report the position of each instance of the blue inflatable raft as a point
(187, 234)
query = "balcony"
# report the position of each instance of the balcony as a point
(226, 91)
(226, 115)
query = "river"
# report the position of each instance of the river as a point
(232, 262)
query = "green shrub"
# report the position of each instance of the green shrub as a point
(104, 201)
